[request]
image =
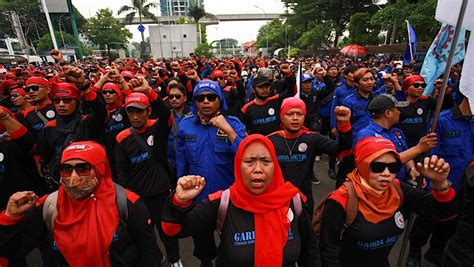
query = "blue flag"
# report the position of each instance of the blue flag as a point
(437, 55)
(411, 45)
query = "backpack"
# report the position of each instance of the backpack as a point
(351, 210)
(50, 212)
(224, 204)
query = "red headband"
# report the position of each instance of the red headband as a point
(290, 103)
(37, 81)
(65, 90)
(410, 80)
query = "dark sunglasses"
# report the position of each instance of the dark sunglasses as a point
(65, 100)
(379, 167)
(416, 85)
(209, 97)
(108, 92)
(15, 95)
(178, 96)
(33, 88)
(82, 169)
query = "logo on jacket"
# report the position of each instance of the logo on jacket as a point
(50, 114)
(117, 117)
(271, 111)
(150, 140)
(419, 111)
(2, 157)
(302, 147)
(399, 220)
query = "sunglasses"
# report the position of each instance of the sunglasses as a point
(416, 85)
(209, 97)
(65, 100)
(177, 96)
(108, 92)
(82, 169)
(379, 167)
(15, 95)
(33, 88)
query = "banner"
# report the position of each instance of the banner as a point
(437, 55)
(466, 85)
(447, 11)
(298, 81)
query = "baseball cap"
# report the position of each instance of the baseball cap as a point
(261, 80)
(383, 102)
(306, 77)
(137, 100)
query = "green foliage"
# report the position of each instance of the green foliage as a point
(225, 43)
(294, 52)
(45, 44)
(105, 31)
(203, 32)
(181, 20)
(361, 31)
(420, 15)
(203, 49)
(317, 37)
(275, 32)
(196, 12)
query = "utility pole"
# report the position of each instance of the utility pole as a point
(74, 29)
(50, 26)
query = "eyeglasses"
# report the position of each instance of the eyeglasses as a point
(33, 88)
(177, 96)
(416, 85)
(379, 167)
(65, 100)
(209, 97)
(82, 169)
(108, 92)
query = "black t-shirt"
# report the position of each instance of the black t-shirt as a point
(262, 118)
(414, 119)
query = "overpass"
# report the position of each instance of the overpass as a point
(215, 19)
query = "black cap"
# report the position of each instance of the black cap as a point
(383, 102)
(260, 80)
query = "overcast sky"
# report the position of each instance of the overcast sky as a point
(242, 31)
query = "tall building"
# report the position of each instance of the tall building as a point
(178, 7)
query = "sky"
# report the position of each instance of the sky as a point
(242, 31)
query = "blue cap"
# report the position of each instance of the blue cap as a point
(306, 77)
(209, 86)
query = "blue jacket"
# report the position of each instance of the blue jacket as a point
(340, 93)
(393, 134)
(172, 142)
(360, 116)
(455, 142)
(205, 151)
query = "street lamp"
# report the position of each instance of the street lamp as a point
(266, 20)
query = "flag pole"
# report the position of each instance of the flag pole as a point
(409, 41)
(447, 70)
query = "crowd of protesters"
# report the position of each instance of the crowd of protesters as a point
(96, 155)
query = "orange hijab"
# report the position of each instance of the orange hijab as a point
(270, 208)
(373, 206)
(84, 228)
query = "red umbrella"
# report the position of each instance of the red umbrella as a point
(354, 50)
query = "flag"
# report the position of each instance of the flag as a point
(410, 50)
(298, 81)
(466, 84)
(447, 11)
(437, 55)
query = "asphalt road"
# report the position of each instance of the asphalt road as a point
(186, 244)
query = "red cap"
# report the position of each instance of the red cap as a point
(37, 81)
(217, 74)
(137, 100)
(290, 103)
(65, 90)
(410, 80)
(10, 75)
(127, 74)
(7, 84)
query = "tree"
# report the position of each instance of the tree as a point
(361, 31)
(142, 8)
(44, 44)
(318, 37)
(278, 35)
(197, 13)
(105, 31)
(203, 49)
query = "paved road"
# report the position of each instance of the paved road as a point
(186, 244)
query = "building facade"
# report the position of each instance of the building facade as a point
(178, 8)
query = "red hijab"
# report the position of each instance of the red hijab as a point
(270, 208)
(84, 228)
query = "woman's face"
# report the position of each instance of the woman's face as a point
(78, 178)
(380, 182)
(367, 82)
(257, 168)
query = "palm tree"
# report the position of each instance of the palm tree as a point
(142, 8)
(197, 13)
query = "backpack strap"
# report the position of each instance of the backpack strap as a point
(122, 205)
(49, 210)
(41, 116)
(221, 213)
(297, 204)
(352, 206)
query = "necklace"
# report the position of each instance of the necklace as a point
(290, 150)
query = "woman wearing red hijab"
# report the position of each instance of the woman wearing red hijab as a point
(88, 229)
(262, 225)
(382, 209)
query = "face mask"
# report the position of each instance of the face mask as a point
(84, 187)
